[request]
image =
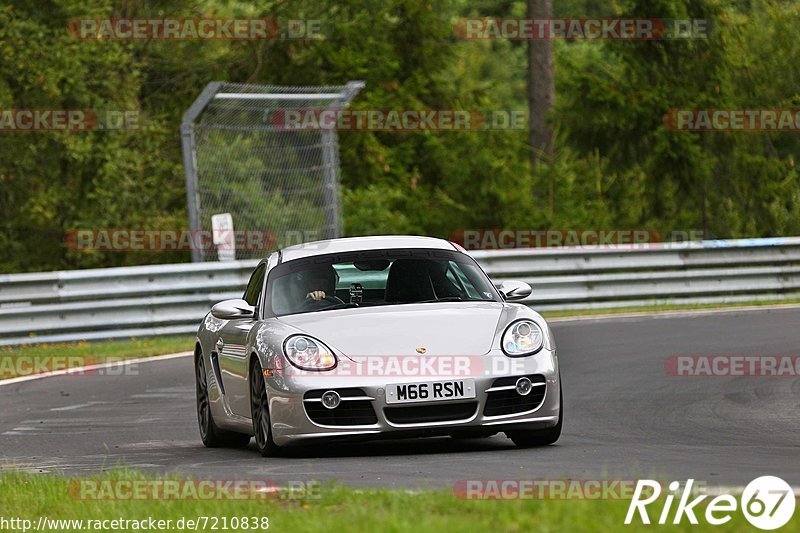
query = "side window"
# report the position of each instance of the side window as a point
(255, 285)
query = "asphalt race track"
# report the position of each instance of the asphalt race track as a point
(626, 418)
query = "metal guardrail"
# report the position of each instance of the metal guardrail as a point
(171, 299)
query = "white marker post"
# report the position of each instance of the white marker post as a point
(222, 231)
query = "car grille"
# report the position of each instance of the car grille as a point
(508, 402)
(350, 412)
(421, 414)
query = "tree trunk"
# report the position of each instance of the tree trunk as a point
(541, 91)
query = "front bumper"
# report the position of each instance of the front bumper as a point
(292, 425)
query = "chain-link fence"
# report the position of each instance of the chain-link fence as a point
(278, 182)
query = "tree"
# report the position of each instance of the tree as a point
(541, 88)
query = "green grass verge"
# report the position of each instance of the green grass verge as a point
(656, 308)
(36, 358)
(333, 509)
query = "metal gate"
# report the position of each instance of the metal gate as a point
(279, 184)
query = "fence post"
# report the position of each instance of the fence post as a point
(190, 161)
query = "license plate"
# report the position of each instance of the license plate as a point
(430, 391)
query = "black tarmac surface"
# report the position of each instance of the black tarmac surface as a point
(626, 418)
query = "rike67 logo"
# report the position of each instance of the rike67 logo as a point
(767, 503)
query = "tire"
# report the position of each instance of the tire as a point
(531, 438)
(211, 435)
(259, 409)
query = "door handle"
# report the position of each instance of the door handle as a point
(220, 344)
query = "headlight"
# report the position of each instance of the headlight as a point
(524, 337)
(308, 354)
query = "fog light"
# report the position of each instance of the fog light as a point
(331, 399)
(524, 386)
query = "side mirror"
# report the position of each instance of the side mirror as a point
(233, 309)
(514, 290)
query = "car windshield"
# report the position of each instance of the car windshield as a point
(375, 278)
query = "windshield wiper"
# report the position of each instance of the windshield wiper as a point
(345, 305)
(445, 299)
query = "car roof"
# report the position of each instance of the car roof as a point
(350, 244)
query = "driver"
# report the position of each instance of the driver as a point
(319, 283)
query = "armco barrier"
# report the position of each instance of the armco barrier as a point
(169, 299)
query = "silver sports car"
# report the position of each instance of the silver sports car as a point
(373, 337)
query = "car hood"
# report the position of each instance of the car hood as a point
(452, 328)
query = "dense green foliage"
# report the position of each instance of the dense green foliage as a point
(616, 164)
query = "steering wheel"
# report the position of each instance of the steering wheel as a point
(331, 299)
